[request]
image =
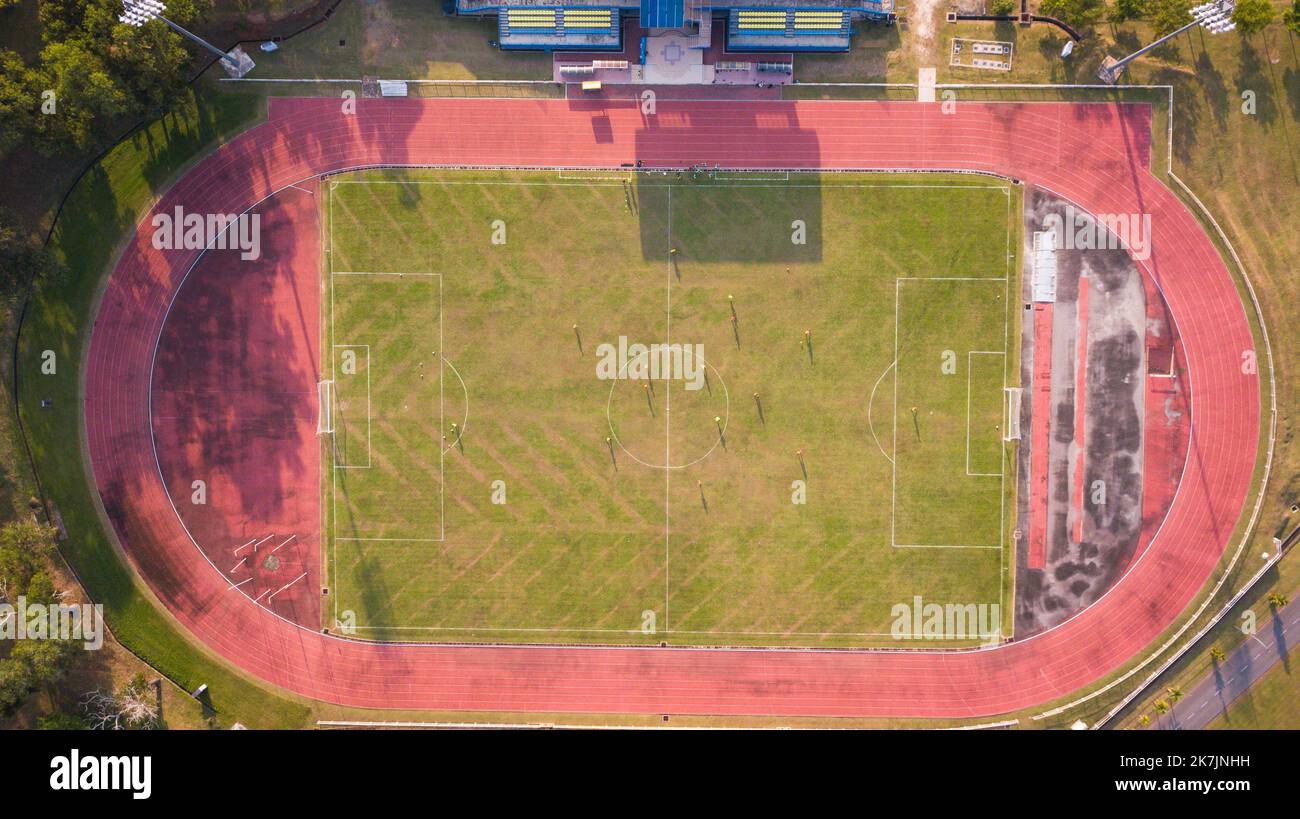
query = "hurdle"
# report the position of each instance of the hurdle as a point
(285, 586)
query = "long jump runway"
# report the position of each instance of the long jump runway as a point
(1094, 155)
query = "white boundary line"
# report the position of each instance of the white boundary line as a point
(666, 630)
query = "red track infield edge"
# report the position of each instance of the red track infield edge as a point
(1095, 155)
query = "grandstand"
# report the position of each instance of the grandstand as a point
(750, 25)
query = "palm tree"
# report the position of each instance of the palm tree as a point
(1277, 600)
(1217, 655)
(1144, 720)
(1175, 693)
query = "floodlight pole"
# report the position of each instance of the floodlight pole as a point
(1109, 72)
(139, 13)
(197, 39)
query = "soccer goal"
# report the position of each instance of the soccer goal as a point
(325, 415)
(1012, 426)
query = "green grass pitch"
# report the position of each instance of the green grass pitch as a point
(843, 453)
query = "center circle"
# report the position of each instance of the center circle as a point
(661, 423)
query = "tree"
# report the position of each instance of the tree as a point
(1162, 707)
(1175, 694)
(24, 546)
(1078, 13)
(1168, 16)
(1144, 720)
(59, 721)
(15, 682)
(84, 90)
(1253, 16)
(46, 660)
(1216, 654)
(1277, 600)
(134, 706)
(1291, 18)
(1125, 10)
(1002, 7)
(18, 104)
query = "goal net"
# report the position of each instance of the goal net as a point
(1011, 429)
(325, 415)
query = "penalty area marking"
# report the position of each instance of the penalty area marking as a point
(893, 503)
(871, 401)
(465, 420)
(334, 500)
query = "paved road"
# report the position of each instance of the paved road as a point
(1212, 695)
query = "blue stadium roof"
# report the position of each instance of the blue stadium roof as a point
(662, 13)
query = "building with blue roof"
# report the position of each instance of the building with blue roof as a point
(750, 25)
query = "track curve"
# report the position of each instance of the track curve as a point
(1095, 155)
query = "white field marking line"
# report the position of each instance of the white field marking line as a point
(391, 539)
(893, 462)
(1006, 364)
(442, 413)
(942, 546)
(283, 543)
(726, 423)
(574, 182)
(231, 587)
(668, 408)
(334, 397)
(465, 419)
(379, 273)
(330, 513)
(871, 401)
(900, 645)
(893, 501)
(969, 369)
(245, 546)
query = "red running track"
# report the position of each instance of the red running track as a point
(1095, 155)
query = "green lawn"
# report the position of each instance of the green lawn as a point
(1269, 704)
(775, 522)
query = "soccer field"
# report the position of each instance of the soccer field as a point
(811, 435)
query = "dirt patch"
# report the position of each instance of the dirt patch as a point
(1095, 457)
(922, 22)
